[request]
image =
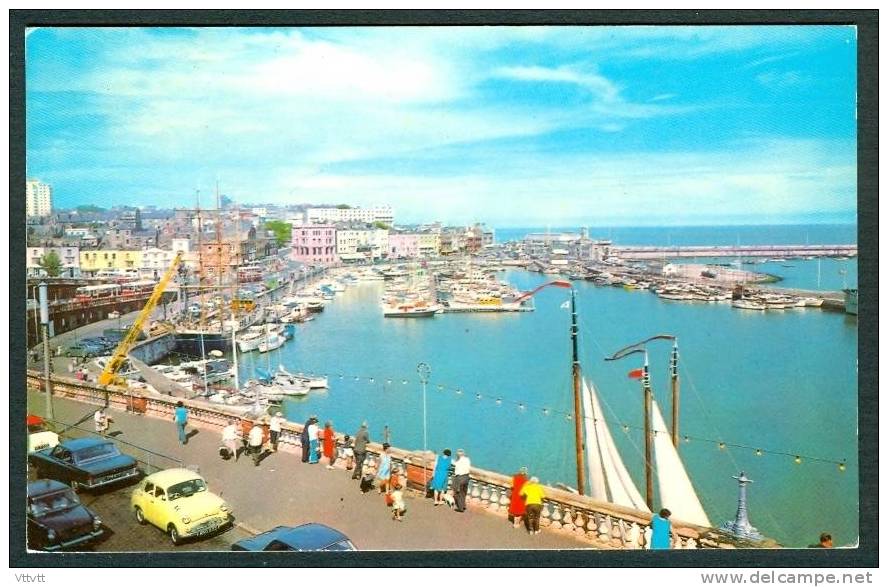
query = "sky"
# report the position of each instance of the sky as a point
(513, 126)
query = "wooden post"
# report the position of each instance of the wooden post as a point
(648, 437)
(578, 416)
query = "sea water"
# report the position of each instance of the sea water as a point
(500, 388)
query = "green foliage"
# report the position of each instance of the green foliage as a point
(343, 207)
(51, 263)
(282, 230)
(380, 224)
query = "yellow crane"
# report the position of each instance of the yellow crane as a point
(109, 375)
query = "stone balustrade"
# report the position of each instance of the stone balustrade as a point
(602, 525)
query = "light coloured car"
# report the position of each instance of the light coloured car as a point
(178, 502)
(113, 315)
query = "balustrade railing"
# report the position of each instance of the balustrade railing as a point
(603, 525)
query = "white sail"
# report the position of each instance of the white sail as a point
(609, 479)
(676, 492)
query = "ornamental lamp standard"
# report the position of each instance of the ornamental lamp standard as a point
(44, 326)
(424, 371)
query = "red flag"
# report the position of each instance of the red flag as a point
(636, 374)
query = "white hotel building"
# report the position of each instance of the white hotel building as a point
(365, 215)
(38, 198)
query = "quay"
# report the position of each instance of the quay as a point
(773, 251)
(293, 492)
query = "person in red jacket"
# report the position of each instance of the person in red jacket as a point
(329, 444)
(516, 501)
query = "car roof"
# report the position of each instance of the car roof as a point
(43, 486)
(79, 443)
(306, 537)
(169, 477)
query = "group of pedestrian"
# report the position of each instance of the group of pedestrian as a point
(318, 443)
(526, 501)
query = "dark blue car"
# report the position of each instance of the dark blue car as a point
(84, 463)
(56, 518)
(307, 537)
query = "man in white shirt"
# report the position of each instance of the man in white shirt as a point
(257, 435)
(230, 437)
(274, 429)
(102, 421)
(461, 467)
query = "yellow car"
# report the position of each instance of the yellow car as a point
(177, 501)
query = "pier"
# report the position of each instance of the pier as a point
(306, 493)
(772, 251)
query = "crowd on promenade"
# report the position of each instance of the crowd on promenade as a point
(447, 485)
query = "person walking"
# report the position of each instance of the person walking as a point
(313, 443)
(533, 495)
(305, 441)
(362, 438)
(256, 438)
(660, 529)
(329, 444)
(274, 429)
(517, 505)
(348, 453)
(461, 467)
(438, 484)
(102, 421)
(230, 437)
(384, 469)
(180, 416)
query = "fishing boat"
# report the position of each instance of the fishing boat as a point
(748, 305)
(271, 342)
(410, 310)
(269, 391)
(312, 381)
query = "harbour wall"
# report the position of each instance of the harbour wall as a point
(603, 525)
(628, 252)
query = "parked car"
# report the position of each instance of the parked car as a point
(307, 537)
(178, 502)
(57, 519)
(83, 350)
(84, 463)
(39, 434)
(113, 315)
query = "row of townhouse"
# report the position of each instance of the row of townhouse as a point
(329, 244)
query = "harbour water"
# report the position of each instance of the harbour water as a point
(779, 381)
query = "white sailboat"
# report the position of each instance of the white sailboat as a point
(609, 479)
(676, 490)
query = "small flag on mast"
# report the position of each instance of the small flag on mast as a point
(636, 374)
(565, 305)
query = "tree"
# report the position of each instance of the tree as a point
(51, 263)
(282, 230)
(380, 224)
(343, 207)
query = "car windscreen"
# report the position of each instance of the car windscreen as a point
(42, 505)
(341, 545)
(96, 452)
(186, 488)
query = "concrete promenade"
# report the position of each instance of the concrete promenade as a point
(284, 491)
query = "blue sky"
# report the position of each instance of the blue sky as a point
(515, 126)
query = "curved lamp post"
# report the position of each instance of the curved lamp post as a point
(424, 371)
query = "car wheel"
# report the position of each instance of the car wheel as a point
(140, 516)
(174, 535)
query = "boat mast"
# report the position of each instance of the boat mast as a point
(203, 350)
(578, 420)
(675, 392)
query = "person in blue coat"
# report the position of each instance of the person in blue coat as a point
(438, 484)
(660, 530)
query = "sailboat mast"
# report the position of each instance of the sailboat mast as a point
(648, 437)
(578, 419)
(675, 392)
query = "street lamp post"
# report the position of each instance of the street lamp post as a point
(44, 326)
(424, 371)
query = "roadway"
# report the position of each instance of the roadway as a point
(284, 490)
